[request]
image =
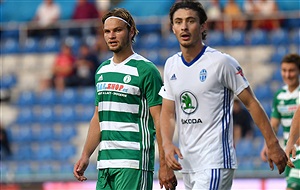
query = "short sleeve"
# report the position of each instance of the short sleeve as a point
(151, 84)
(232, 75)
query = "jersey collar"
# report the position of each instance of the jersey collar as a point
(195, 59)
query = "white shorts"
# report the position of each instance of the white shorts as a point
(209, 179)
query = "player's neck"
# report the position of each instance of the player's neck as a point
(190, 53)
(119, 57)
(291, 88)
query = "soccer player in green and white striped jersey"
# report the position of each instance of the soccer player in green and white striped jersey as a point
(285, 103)
(126, 117)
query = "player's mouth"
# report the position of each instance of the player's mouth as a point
(113, 43)
(185, 37)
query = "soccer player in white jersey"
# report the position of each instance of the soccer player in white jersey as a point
(285, 103)
(199, 87)
(127, 110)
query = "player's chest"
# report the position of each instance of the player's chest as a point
(198, 79)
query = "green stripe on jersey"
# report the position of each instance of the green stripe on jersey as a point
(118, 116)
(118, 154)
(124, 135)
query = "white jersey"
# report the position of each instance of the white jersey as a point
(203, 91)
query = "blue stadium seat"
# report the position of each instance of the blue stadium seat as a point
(43, 133)
(20, 133)
(151, 41)
(66, 167)
(89, 40)
(295, 36)
(257, 37)
(31, 45)
(257, 145)
(45, 168)
(24, 169)
(46, 115)
(279, 53)
(246, 164)
(87, 96)
(26, 98)
(72, 41)
(8, 80)
(67, 97)
(171, 41)
(23, 152)
(66, 115)
(276, 76)
(65, 151)
(215, 38)
(263, 92)
(237, 38)
(66, 132)
(243, 148)
(279, 37)
(47, 97)
(49, 44)
(43, 151)
(9, 46)
(85, 114)
(154, 56)
(25, 116)
(267, 105)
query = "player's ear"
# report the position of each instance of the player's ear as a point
(173, 29)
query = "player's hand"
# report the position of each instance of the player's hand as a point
(290, 150)
(79, 169)
(263, 153)
(278, 156)
(166, 177)
(170, 151)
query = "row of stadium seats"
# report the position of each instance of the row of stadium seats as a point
(69, 96)
(36, 133)
(154, 41)
(43, 151)
(54, 114)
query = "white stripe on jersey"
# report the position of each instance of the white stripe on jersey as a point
(118, 163)
(119, 126)
(118, 107)
(125, 70)
(286, 121)
(105, 145)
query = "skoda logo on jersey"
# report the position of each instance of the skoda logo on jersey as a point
(189, 102)
(203, 75)
(127, 79)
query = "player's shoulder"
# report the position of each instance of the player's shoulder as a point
(142, 64)
(281, 91)
(218, 54)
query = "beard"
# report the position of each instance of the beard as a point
(122, 45)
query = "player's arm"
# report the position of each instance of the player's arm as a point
(91, 143)
(167, 123)
(275, 152)
(166, 175)
(293, 137)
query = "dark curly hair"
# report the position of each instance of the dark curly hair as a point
(190, 4)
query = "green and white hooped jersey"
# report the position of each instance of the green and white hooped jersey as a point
(203, 92)
(124, 94)
(285, 104)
